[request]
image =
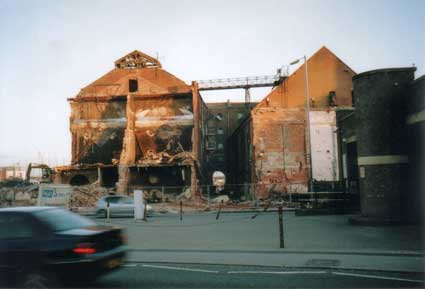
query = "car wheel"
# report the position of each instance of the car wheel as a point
(101, 214)
(37, 280)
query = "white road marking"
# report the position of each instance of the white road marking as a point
(129, 265)
(277, 272)
(378, 277)
(180, 268)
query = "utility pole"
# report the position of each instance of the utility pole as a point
(308, 134)
(281, 238)
(309, 160)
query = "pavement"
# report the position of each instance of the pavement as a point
(326, 242)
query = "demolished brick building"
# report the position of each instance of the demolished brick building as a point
(136, 126)
(275, 159)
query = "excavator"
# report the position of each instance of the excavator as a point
(46, 172)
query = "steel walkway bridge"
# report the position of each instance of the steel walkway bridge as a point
(243, 83)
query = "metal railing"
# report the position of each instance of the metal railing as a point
(241, 82)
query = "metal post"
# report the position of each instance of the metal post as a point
(181, 210)
(107, 211)
(145, 212)
(308, 134)
(281, 240)
(208, 192)
(162, 194)
(247, 96)
(219, 210)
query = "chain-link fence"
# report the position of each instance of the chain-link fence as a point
(256, 194)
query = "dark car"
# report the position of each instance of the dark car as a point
(48, 246)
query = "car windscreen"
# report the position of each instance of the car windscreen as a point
(60, 219)
(126, 201)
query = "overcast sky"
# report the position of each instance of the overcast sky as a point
(51, 49)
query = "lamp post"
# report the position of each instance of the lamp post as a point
(308, 135)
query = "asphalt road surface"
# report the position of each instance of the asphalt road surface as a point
(171, 275)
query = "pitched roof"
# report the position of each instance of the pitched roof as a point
(322, 53)
(151, 79)
(136, 59)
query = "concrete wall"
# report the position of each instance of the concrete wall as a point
(414, 201)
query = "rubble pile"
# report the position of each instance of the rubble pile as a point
(164, 157)
(87, 196)
(16, 192)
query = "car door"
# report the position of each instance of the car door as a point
(126, 205)
(114, 209)
(19, 247)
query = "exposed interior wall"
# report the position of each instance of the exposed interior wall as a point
(163, 129)
(97, 128)
(279, 162)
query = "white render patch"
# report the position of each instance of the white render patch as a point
(100, 123)
(169, 121)
(324, 145)
(163, 115)
(103, 120)
(350, 139)
(416, 117)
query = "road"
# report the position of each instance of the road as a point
(171, 275)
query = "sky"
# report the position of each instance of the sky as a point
(50, 49)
